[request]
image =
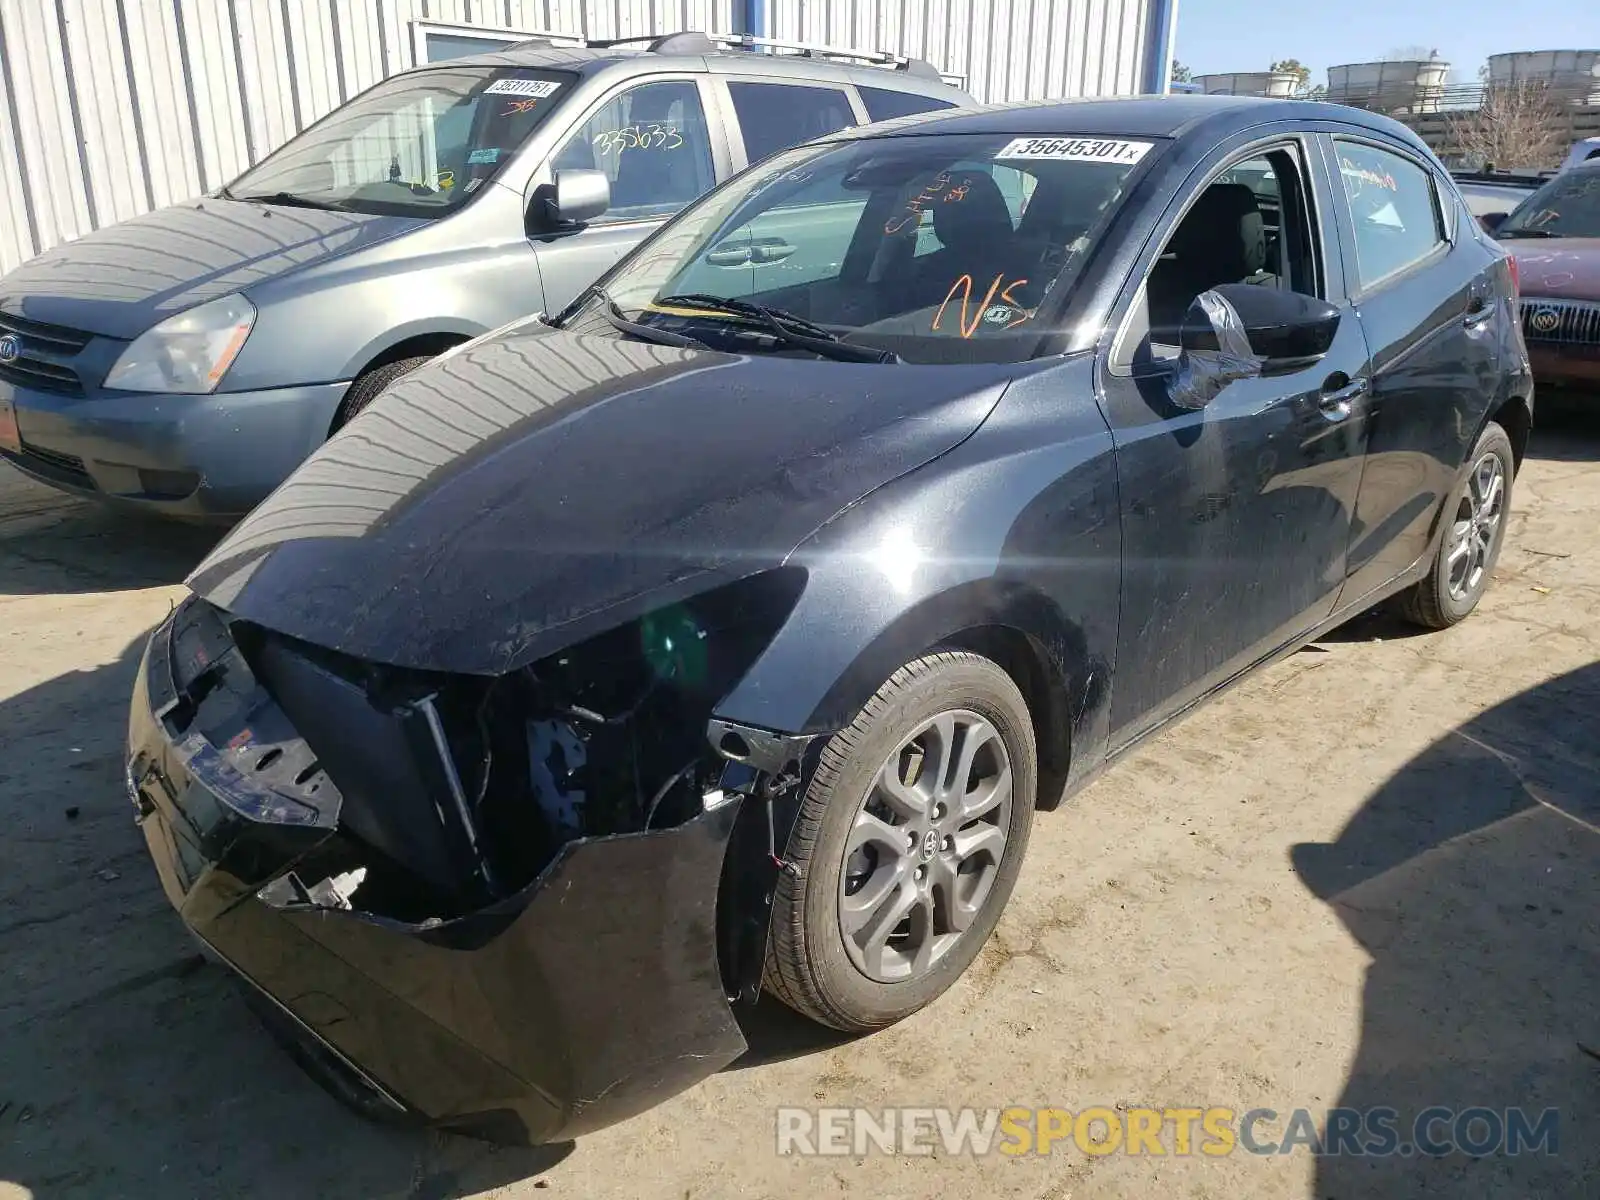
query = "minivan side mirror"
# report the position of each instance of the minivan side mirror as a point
(576, 198)
(1242, 330)
(1491, 222)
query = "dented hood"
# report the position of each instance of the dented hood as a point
(537, 487)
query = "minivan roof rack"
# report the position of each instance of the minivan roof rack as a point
(693, 41)
(881, 58)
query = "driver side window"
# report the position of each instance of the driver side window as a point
(1251, 224)
(653, 145)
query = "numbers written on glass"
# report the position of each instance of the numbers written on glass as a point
(638, 137)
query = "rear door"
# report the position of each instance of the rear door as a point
(1423, 285)
(660, 142)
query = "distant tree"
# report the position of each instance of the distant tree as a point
(1295, 67)
(1180, 73)
(1518, 125)
(1410, 54)
(1320, 92)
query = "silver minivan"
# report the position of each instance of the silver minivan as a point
(187, 360)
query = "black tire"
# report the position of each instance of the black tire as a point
(808, 966)
(368, 386)
(1430, 602)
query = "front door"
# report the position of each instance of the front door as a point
(1423, 284)
(1235, 517)
(655, 145)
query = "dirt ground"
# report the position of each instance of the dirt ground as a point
(1368, 876)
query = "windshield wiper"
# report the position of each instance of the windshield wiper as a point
(612, 312)
(789, 328)
(1517, 233)
(290, 200)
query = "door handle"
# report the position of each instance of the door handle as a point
(772, 251)
(1337, 404)
(732, 256)
(1478, 313)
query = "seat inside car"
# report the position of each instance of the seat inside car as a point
(975, 232)
(1222, 239)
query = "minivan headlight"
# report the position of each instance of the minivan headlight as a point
(189, 352)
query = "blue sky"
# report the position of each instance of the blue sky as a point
(1246, 35)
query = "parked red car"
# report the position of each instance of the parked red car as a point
(1554, 238)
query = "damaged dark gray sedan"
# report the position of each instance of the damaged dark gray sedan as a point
(722, 633)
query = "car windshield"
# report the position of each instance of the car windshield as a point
(926, 248)
(1567, 206)
(417, 145)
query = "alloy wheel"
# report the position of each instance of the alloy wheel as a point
(925, 847)
(1475, 527)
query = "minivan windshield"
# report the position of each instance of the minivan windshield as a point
(417, 145)
(1568, 207)
(922, 248)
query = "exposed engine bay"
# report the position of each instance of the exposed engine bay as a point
(417, 797)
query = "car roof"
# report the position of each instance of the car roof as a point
(1135, 116)
(590, 60)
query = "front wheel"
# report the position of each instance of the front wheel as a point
(907, 845)
(1475, 518)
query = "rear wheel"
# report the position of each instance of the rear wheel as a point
(907, 845)
(1475, 519)
(368, 386)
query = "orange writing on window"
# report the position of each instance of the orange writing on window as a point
(1015, 314)
(912, 214)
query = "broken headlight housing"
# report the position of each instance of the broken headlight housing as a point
(457, 790)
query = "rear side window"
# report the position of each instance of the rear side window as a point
(1392, 206)
(884, 104)
(775, 116)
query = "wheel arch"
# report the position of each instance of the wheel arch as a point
(417, 339)
(1516, 417)
(1012, 623)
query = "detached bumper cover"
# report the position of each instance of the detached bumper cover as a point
(585, 998)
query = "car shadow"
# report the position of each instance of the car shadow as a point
(1472, 878)
(1566, 428)
(128, 1064)
(52, 543)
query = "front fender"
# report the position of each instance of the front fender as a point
(1016, 528)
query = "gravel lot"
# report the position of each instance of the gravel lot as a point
(1368, 876)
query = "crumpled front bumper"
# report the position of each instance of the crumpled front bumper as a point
(583, 999)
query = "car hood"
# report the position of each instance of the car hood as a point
(535, 487)
(121, 280)
(1568, 268)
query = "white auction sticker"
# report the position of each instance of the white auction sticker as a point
(535, 88)
(1077, 149)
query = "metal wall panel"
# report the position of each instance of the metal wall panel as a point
(1004, 49)
(109, 108)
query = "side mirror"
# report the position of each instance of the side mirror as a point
(1241, 330)
(1491, 222)
(577, 197)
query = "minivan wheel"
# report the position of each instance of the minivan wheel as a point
(1475, 519)
(368, 386)
(907, 845)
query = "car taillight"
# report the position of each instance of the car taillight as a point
(1516, 275)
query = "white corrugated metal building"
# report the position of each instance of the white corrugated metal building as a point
(109, 108)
